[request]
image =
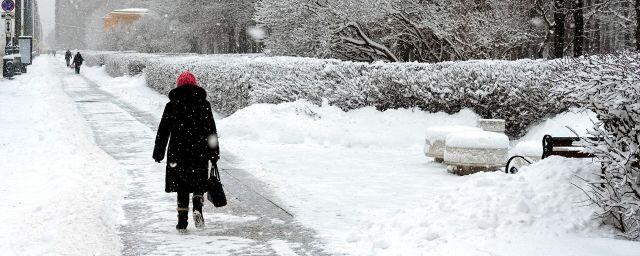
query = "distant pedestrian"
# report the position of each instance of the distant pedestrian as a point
(67, 57)
(77, 62)
(187, 125)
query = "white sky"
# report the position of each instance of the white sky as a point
(47, 14)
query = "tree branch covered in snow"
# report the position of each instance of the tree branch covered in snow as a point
(393, 30)
(609, 85)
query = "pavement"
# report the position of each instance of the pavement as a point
(253, 222)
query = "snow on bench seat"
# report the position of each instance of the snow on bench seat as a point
(474, 151)
(435, 137)
(531, 149)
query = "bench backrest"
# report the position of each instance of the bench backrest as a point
(563, 146)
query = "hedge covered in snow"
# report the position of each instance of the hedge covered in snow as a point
(518, 91)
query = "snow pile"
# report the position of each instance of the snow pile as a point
(489, 214)
(580, 121)
(60, 194)
(131, 89)
(530, 148)
(302, 122)
(360, 179)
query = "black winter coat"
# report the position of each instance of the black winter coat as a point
(77, 60)
(187, 123)
(67, 55)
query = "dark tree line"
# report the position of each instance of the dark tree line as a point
(440, 30)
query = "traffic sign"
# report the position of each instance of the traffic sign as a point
(8, 6)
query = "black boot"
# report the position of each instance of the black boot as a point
(198, 201)
(183, 217)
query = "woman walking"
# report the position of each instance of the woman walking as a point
(187, 125)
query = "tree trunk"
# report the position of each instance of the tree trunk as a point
(231, 34)
(558, 29)
(578, 33)
(637, 25)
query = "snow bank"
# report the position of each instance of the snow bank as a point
(493, 214)
(360, 179)
(581, 121)
(60, 194)
(302, 122)
(130, 89)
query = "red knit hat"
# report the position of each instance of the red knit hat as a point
(187, 78)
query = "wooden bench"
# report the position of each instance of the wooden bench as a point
(564, 146)
(556, 146)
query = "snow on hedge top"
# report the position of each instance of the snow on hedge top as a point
(477, 139)
(441, 132)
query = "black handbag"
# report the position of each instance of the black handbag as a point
(215, 193)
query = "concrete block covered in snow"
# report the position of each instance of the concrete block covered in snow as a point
(435, 139)
(475, 151)
(492, 125)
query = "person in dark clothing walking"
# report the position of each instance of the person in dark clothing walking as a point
(67, 57)
(188, 127)
(77, 62)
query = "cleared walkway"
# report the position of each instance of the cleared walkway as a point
(252, 223)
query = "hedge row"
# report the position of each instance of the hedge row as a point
(518, 91)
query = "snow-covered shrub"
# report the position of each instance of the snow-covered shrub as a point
(226, 84)
(126, 63)
(94, 58)
(610, 86)
(517, 91)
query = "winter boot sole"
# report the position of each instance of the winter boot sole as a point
(198, 220)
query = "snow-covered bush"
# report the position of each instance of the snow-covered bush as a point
(94, 58)
(610, 86)
(517, 91)
(226, 84)
(127, 63)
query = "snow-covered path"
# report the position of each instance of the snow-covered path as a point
(60, 194)
(250, 225)
(78, 179)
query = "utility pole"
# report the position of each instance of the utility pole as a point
(18, 22)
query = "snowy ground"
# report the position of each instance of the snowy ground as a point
(57, 188)
(358, 178)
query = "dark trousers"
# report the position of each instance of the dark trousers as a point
(77, 69)
(68, 60)
(183, 200)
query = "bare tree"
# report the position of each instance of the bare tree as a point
(578, 34)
